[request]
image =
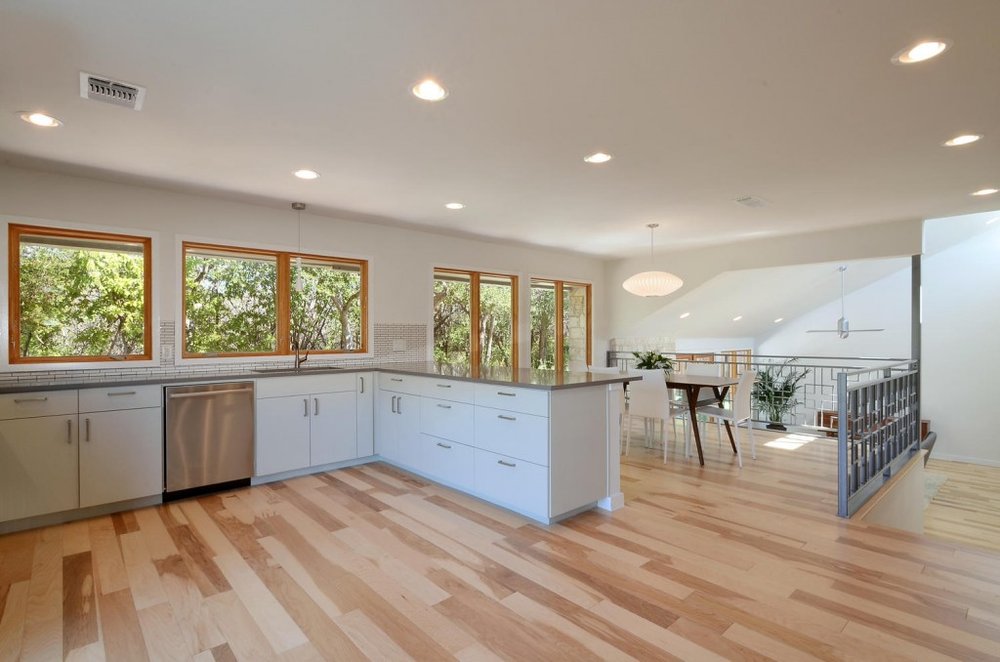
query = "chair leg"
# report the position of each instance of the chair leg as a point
(753, 443)
(666, 435)
(718, 428)
(739, 450)
(628, 433)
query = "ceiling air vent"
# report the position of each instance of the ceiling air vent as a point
(751, 201)
(115, 92)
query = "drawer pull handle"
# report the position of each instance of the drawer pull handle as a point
(18, 401)
(506, 464)
(505, 393)
(395, 379)
(87, 421)
(112, 394)
(444, 406)
(69, 431)
(362, 384)
(394, 404)
(316, 403)
(507, 418)
(443, 445)
(305, 407)
(444, 385)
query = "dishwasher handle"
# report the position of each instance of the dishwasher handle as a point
(205, 394)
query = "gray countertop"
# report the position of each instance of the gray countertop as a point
(548, 380)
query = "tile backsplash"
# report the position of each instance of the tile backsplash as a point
(390, 343)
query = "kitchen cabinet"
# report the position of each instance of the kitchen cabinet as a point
(366, 414)
(333, 427)
(398, 430)
(307, 421)
(283, 437)
(39, 466)
(121, 455)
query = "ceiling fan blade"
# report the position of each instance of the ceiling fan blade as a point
(823, 331)
(865, 330)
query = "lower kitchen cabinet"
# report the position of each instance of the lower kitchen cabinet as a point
(514, 483)
(121, 455)
(282, 434)
(333, 427)
(448, 461)
(366, 414)
(398, 428)
(39, 466)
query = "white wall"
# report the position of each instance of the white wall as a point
(884, 304)
(693, 345)
(401, 258)
(961, 336)
(632, 316)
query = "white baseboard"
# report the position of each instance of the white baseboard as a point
(613, 502)
(962, 458)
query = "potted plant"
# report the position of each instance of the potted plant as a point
(774, 392)
(653, 361)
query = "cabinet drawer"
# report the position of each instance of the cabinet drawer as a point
(511, 482)
(526, 400)
(276, 387)
(111, 398)
(446, 419)
(448, 389)
(523, 436)
(400, 383)
(39, 403)
(447, 461)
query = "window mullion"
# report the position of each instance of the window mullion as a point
(560, 340)
(283, 304)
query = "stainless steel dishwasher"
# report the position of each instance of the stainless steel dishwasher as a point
(210, 437)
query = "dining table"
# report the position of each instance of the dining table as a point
(691, 385)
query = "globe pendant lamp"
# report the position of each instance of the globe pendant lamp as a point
(652, 283)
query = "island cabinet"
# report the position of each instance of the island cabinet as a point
(306, 421)
(539, 452)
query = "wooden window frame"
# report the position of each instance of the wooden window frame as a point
(560, 338)
(14, 233)
(282, 303)
(475, 350)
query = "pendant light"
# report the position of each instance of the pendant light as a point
(652, 283)
(298, 207)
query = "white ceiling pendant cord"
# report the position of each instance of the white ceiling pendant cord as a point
(652, 283)
(298, 207)
(843, 329)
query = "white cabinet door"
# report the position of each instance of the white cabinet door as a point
(386, 425)
(334, 427)
(38, 466)
(408, 451)
(121, 455)
(513, 483)
(366, 414)
(282, 434)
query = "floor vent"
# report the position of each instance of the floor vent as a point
(115, 92)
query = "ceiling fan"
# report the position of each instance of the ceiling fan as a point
(843, 328)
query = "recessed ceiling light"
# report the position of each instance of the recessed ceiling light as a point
(985, 191)
(924, 50)
(779, 320)
(306, 174)
(429, 90)
(40, 119)
(737, 318)
(685, 315)
(598, 157)
(964, 139)
(455, 205)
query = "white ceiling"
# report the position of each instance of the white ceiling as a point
(764, 295)
(700, 102)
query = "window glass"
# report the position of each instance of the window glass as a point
(80, 296)
(327, 300)
(452, 317)
(229, 302)
(560, 325)
(543, 324)
(496, 320)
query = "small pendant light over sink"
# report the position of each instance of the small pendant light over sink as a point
(652, 283)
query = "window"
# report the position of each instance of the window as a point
(246, 302)
(79, 296)
(475, 318)
(560, 324)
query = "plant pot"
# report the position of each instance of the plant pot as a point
(776, 425)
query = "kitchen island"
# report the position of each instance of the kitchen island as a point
(541, 443)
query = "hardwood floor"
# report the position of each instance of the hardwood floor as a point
(701, 564)
(966, 509)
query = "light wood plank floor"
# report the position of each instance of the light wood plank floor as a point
(701, 564)
(967, 507)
